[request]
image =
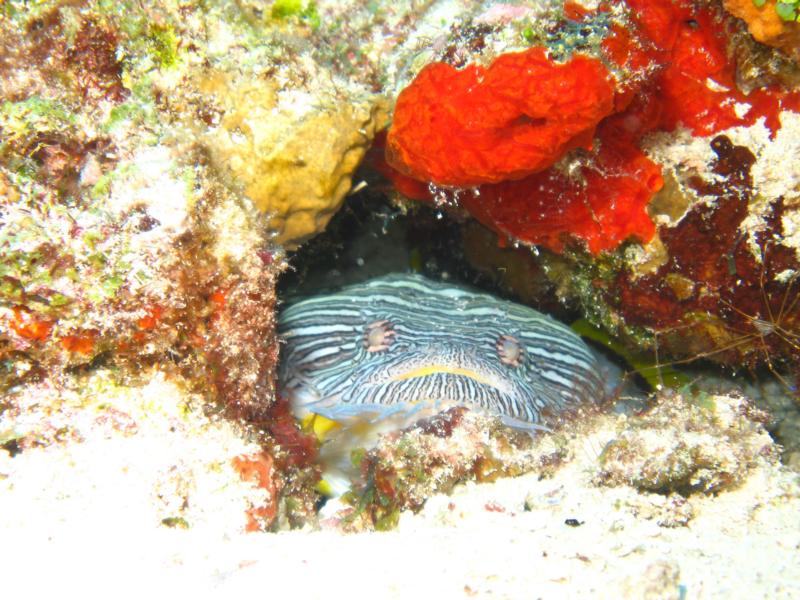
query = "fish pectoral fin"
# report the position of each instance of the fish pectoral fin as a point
(319, 425)
(525, 426)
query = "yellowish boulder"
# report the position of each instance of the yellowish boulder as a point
(291, 149)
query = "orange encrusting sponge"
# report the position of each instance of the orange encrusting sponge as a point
(489, 124)
(500, 129)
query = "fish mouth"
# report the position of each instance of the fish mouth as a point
(434, 369)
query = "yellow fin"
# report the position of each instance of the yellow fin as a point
(324, 488)
(320, 425)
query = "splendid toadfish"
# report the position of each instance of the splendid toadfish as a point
(399, 347)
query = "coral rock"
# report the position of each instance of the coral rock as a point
(295, 163)
(462, 128)
(434, 455)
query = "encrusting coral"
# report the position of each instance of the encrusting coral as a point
(263, 145)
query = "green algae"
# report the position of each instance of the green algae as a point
(165, 43)
(304, 10)
(175, 522)
(22, 121)
(655, 374)
(788, 11)
(128, 114)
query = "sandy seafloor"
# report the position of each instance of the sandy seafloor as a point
(741, 545)
(84, 518)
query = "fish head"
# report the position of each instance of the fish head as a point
(405, 344)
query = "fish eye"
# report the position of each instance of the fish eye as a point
(509, 350)
(378, 336)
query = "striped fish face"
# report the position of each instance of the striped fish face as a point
(402, 342)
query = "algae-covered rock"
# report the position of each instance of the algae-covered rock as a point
(120, 238)
(660, 466)
(705, 446)
(409, 466)
(118, 242)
